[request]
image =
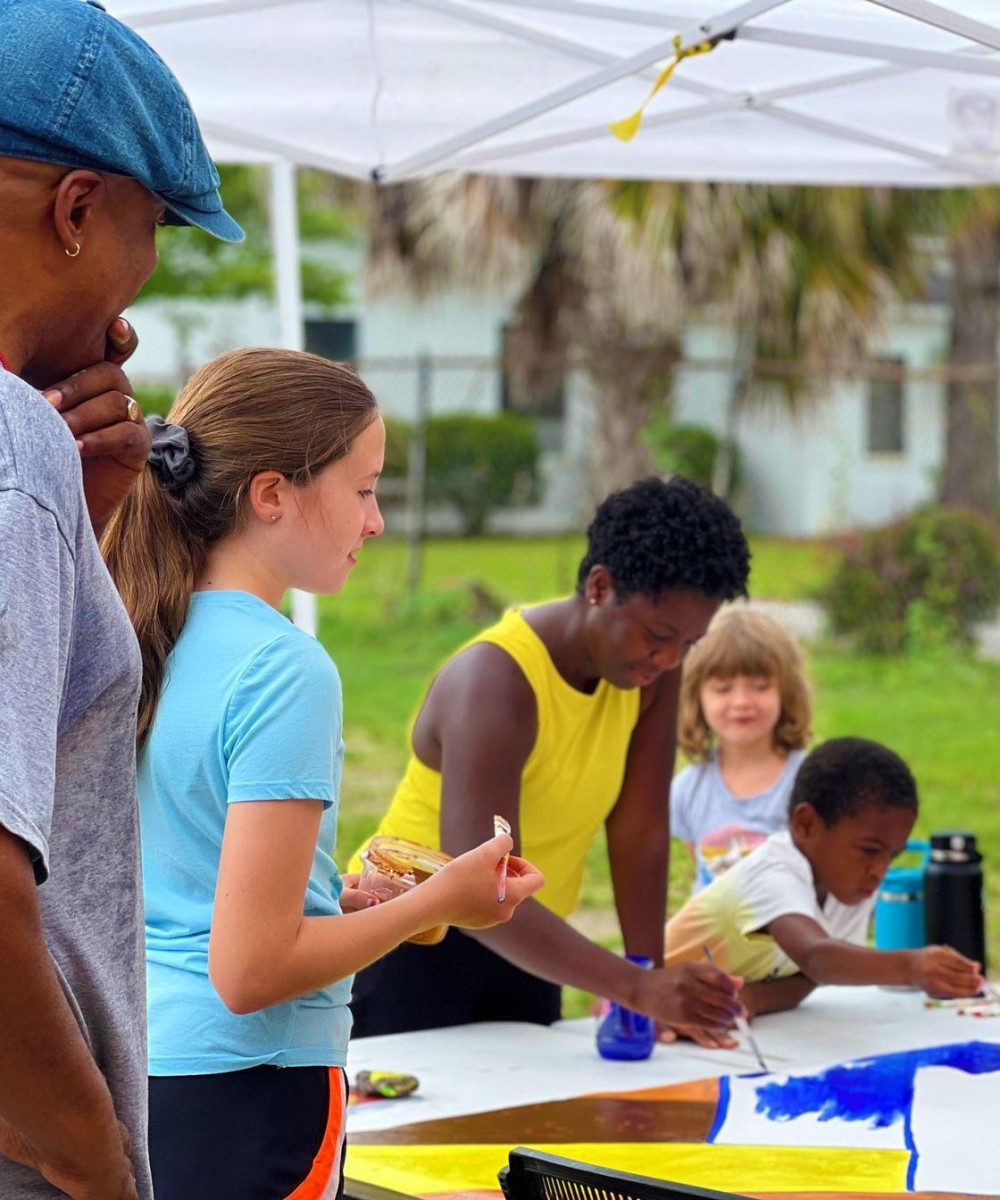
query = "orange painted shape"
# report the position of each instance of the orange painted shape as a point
(701, 1090)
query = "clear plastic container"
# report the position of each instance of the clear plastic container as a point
(393, 866)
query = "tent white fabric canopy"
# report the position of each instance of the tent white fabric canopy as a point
(804, 91)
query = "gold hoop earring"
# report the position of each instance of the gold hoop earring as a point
(73, 253)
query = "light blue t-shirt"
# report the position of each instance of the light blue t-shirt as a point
(723, 827)
(251, 710)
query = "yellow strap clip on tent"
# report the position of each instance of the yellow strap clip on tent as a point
(626, 129)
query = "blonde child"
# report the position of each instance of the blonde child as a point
(795, 912)
(745, 715)
(263, 480)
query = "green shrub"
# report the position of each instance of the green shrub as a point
(917, 584)
(690, 450)
(479, 464)
(155, 401)
(476, 463)
(397, 448)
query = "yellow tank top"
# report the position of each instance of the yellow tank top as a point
(570, 782)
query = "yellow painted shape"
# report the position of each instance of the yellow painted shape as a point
(428, 1170)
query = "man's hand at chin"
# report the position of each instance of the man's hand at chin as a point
(100, 411)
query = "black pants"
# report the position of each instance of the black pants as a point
(454, 983)
(256, 1134)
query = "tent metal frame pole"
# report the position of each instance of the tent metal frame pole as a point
(717, 26)
(285, 151)
(288, 286)
(904, 149)
(763, 103)
(723, 101)
(938, 60)
(524, 33)
(942, 18)
(210, 8)
(623, 16)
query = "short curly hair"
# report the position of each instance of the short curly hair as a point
(658, 536)
(847, 775)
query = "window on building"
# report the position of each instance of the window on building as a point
(887, 409)
(333, 339)
(548, 412)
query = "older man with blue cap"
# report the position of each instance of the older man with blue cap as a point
(98, 147)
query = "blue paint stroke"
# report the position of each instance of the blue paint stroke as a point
(721, 1109)
(877, 1090)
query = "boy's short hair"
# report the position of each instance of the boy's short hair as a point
(658, 536)
(741, 642)
(846, 775)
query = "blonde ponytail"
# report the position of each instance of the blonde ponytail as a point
(155, 567)
(249, 411)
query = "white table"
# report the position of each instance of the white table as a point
(491, 1067)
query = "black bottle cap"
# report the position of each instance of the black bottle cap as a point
(955, 846)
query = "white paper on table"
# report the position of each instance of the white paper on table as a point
(953, 1119)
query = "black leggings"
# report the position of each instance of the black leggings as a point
(257, 1134)
(456, 982)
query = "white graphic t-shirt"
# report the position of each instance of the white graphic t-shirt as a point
(723, 827)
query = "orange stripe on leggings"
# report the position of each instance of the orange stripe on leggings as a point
(328, 1157)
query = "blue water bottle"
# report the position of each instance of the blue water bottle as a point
(899, 908)
(625, 1035)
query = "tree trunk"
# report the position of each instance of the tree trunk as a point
(972, 442)
(630, 383)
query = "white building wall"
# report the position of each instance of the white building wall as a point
(801, 476)
(811, 473)
(212, 328)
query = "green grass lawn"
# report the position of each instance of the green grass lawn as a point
(941, 716)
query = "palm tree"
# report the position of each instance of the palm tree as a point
(608, 274)
(802, 276)
(972, 437)
(585, 291)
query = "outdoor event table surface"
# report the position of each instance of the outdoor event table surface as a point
(488, 1087)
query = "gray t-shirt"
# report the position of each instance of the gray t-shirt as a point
(723, 827)
(69, 681)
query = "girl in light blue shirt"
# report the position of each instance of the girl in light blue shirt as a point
(263, 479)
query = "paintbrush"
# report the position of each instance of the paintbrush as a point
(743, 1026)
(501, 825)
(991, 991)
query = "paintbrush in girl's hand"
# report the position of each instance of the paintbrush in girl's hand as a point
(743, 1025)
(501, 825)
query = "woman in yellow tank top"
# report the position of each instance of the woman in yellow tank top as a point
(562, 717)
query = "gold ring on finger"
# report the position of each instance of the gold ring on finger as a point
(132, 409)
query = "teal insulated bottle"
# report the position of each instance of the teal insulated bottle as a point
(899, 908)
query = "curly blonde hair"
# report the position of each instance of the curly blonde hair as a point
(740, 642)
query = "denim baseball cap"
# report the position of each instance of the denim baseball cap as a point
(79, 89)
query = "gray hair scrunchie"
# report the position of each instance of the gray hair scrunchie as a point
(171, 458)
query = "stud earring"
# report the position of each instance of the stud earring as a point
(276, 516)
(73, 253)
(592, 600)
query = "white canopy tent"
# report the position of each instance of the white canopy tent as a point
(800, 91)
(878, 92)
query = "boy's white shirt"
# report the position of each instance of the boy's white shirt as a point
(775, 880)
